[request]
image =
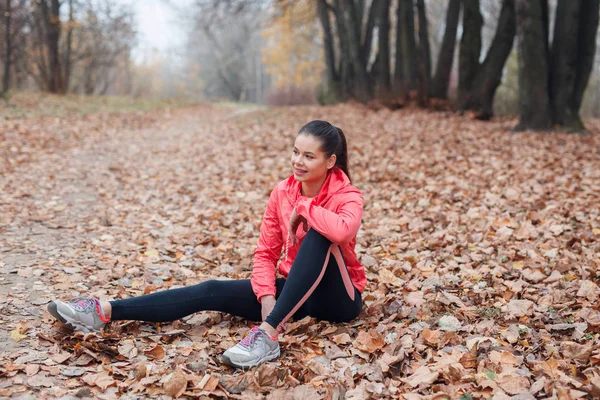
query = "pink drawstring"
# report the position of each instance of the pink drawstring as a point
(287, 246)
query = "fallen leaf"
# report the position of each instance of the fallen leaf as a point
(423, 377)
(157, 352)
(32, 369)
(369, 341)
(520, 308)
(17, 336)
(342, 338)
(208, 383)
(128, 349)
(176, 384)
(575, 351)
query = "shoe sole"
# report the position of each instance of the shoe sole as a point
(268, 357)
(67, 321)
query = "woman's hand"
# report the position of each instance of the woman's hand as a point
(295, 221)
(267, 305)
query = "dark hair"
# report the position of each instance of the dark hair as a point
(332, 140)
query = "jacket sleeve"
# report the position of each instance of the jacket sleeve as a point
(268, 250)
(339, 227)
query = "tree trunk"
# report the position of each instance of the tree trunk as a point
(439, 86)
(399, 77)
(332, 75)
(490, 73)
(563, 59)
(7, 43)
(534, 101)
(470, 50)
(586, 48)
(350, 31)
(53, 27)
(411, 60)
(572, 53)
(424, 55)
(406, 69)
(67, 68)
(346, 73)
(383, 86)
(365, 51)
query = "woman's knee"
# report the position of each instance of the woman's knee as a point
(315, 239)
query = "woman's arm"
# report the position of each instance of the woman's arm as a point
(267, 251)
(339, 227)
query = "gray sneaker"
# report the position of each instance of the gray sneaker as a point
(85, 314)
(256, 348)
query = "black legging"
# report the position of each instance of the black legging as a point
(318, 285)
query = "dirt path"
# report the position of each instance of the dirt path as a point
(57, 207)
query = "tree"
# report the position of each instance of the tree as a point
(381, 66)
(478, 82)
(226, 41)
(351, 67)
(7, 60)
(333, 77)
(50, 10)
(571, 59)
(406, 66)
(292, 53)
(443, 69)
(470, 49)
(552, 80)
(424, 55)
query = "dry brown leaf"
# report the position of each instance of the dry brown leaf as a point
(342, 338)
(140, 370)
(208, 383)
(423, 376)
(575, 351)
(266, 375)
(32, 369)
(128, 349)
(431, 337)
(369, 341)
(156, 352)
(176, 384)
(17, 336)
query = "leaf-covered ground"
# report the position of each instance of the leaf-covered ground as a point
(482, 250)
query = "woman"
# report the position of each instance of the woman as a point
(314, 217)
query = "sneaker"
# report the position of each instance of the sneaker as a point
(84, 314)
(256, 348)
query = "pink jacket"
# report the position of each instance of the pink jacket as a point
(335, 212)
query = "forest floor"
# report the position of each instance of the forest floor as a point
(481, 246)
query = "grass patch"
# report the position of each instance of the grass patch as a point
(233, 104)
(489, 312)
(38, 104)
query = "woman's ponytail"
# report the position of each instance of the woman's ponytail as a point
(342, 154)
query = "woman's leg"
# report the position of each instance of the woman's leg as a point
(318, 284)
(233, 297)
(335, 299)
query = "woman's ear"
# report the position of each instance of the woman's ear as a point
(331, 161)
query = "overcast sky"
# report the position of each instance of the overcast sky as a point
(158, 26)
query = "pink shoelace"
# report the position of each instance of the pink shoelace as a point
(250, 337)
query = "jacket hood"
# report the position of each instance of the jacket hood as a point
(336, 182)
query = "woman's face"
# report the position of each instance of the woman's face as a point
(309, 162)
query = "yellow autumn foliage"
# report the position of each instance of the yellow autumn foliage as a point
(293, 53)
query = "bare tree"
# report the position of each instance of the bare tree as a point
(7, 60)
(446, 56)
(224, 36)
(552, 80)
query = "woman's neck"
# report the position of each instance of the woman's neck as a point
(311, 189)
